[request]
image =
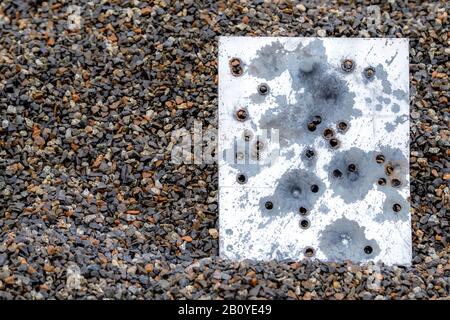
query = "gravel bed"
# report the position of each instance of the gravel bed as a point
(91, 206)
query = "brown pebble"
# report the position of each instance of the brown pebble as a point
(48, 267)
(88, 129)
(214, 233)
(98, 161)
(146, 11)
(291, 294)
(178, 100)
(44, 287)
(9, 280)
(336, 284)
(51, 250)
(149, 267)
(75, 97)
(112, 37)
(339, 296)
(422, 162)
(307, 296)
(39, 141)
(133, 212)
(187, 238)
(31, 270)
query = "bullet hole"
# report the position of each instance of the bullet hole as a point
(342, 126)
(263, 89)
(303, 210)
(304, 223)
(247, 135)
(328, 133)
(316, 120)
(309, 252)
(314, 188)
(296, 192)
(236, 67)
(268, 205)
(368, 249)
(351, 167)
(337, 173)
(379, 158)
(241, 115)
(369, 72)
(239, 156)
(347, 65)
(389, 169)
(334, 143)
(381, 182)
(396, 183)
(312, 127)
(310, 153)
(241, 178)
(396, 207)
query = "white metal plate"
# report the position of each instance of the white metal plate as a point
(351, 215)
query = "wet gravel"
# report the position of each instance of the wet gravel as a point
(91, 206)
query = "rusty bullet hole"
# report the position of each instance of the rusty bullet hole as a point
(316, 120)
(368, 249)
(263, 89)
(334, 143)
(381, 182)
(379, 158)
(328, 133)
(312, 127)
(342, 126)
(396, 183)
(389, 169)
(337, 173)
(304, 223)
(314, 188)
(241, 115)
(310, 153)
(347, 65)
(369, 72)
(241, 178)
(351, 167)
(309, 252)
(268, 205)
(303, 210)
(236, 67)
(396, 207)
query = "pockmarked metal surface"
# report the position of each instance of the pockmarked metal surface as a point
(314, 149)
